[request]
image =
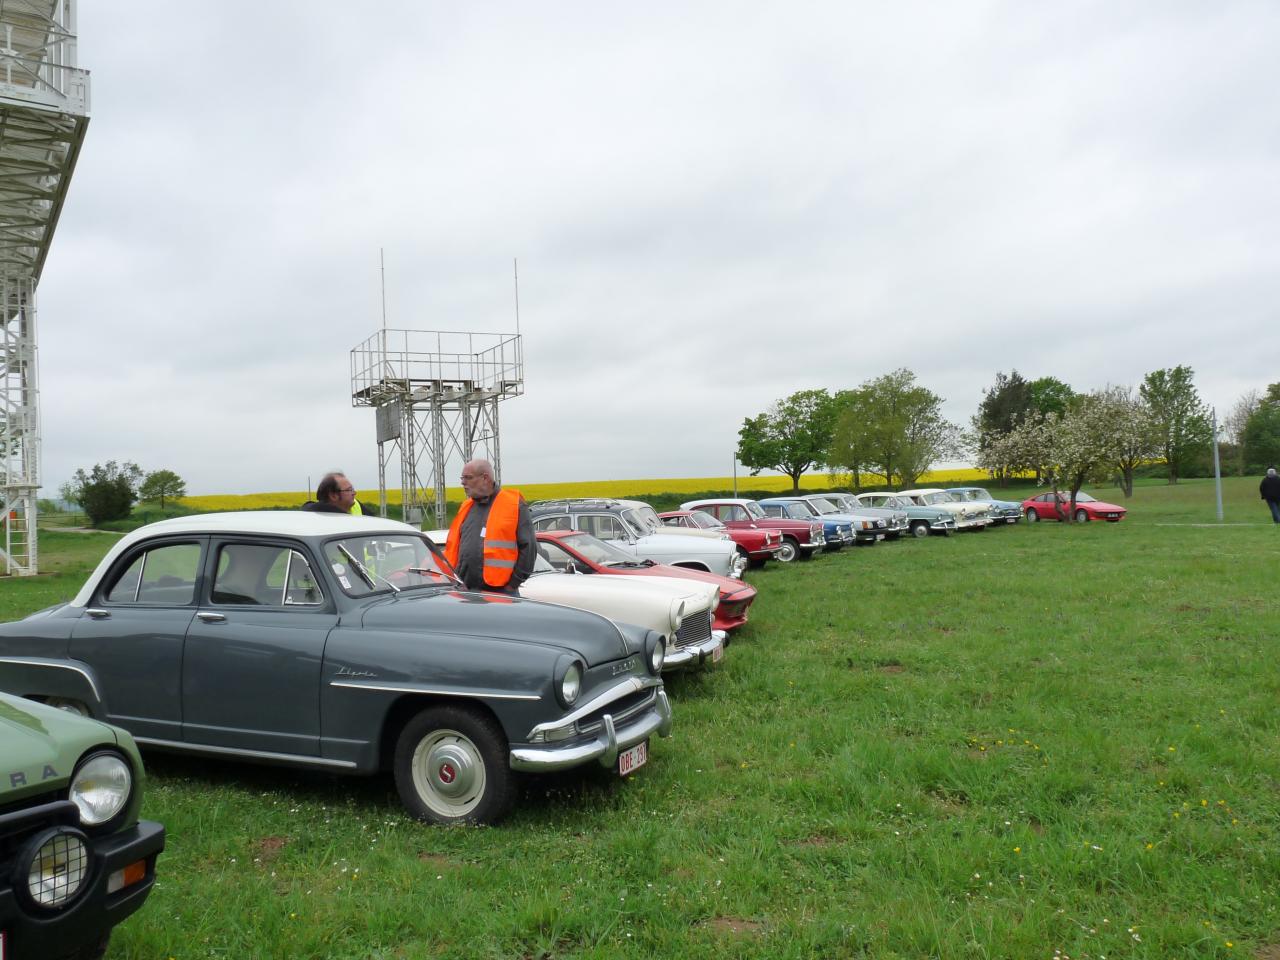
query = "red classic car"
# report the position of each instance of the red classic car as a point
(757, 543)
(590, 556)
(800, 538)
(1087, 508)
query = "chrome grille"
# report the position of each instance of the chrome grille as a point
(695, 628)
(621, 710)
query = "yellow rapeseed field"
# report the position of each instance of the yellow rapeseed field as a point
(577, 488)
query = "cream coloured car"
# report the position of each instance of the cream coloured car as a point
(969, 514)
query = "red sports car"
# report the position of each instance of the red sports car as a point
(759, 545)
(1087, 508)
(590, 556)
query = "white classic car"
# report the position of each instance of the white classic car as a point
(680, 610)
(634, 531)
(969, 515)
(648, 516)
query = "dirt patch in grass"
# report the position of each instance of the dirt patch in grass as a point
(268, 848)
(890, 666)
(1268, 951)
(439, 861)
(736, 925)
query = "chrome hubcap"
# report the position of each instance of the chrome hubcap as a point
(448, 773)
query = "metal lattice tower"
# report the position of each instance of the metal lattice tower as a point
(436, 395)
(44, 105)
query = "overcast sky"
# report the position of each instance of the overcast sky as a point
(713, 205)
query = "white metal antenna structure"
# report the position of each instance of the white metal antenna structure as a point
(44, 107)
(436, 396)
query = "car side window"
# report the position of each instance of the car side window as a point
(264, 575)
(733, 513)
(557, 556)
(772, 510)
(162, 575)
(602, 526)
(560, 522)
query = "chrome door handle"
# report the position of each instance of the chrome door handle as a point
(98, 614)
(211, 617)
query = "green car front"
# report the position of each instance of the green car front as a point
(75, 860)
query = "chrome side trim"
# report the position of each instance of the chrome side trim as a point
(36, 662)
(399, 688)
(185, 747)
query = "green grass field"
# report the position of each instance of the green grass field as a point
(1050, 741)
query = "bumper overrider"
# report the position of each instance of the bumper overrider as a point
(119, 875)
(695, 654)
(599, 732)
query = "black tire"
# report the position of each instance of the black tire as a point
(90, 951)
(1032, 516)
(1082, 515)
(920, 529)
(789, 551)
(451, 766)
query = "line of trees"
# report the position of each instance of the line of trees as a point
(109, 490)
(891, 429)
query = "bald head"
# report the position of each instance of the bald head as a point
(477, 479)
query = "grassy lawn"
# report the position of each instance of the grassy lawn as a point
(1048, 741)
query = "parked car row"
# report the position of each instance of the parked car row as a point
(348, 644)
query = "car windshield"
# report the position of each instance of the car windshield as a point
(598, 551)
(821, 505)
(705, 520)
(393, 561)
(980, 493)
(940, 497)
(643, 519)
(799, 510)
(754, 511)
(962, 494)
(1082, 497)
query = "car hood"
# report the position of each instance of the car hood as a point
(646, 601)
(1103, 506)
(39, 746)
(495, 616)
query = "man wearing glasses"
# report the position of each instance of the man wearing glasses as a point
(336, 494)
(491, 543)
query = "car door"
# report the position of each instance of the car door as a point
(251, 671)
(132, 634)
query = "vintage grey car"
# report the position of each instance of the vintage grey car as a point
(345, 644)
(921, 521)
(75, 860)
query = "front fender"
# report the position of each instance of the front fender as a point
(41, 678)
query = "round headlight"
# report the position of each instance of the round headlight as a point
(655, 651)
(100, 787)
(57, 865)
(677, 615)
(570, 684)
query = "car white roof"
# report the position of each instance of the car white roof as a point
(695, 504)
(919, 490)
(287, 523)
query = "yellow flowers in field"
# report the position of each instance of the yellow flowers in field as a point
(577, 488)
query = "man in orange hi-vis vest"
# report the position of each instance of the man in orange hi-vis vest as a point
(491, 542)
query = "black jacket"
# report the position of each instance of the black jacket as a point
(1270, 488)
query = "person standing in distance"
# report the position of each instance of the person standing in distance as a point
(1270, 490)
(491, 543)
(336, 494)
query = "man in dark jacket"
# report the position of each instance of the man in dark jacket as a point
(1270, 490)
(336, 494)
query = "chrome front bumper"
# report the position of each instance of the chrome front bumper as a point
(695, 654)
(604, 747)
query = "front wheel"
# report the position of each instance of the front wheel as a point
(920, 529)
(1082, 516)
(1032, 516)
(789, 551)
(451, 767)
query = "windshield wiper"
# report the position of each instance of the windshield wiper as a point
(364, 572)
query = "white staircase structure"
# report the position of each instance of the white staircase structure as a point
(44, 107)
(436, 395)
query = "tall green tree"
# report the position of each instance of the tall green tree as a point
(792, 436)
(1003, 405)
(1234, 424)
(1050, 395)
(1181, 420)
(107, 491)
(1261, 435)
(161, 485)
(893, 428)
